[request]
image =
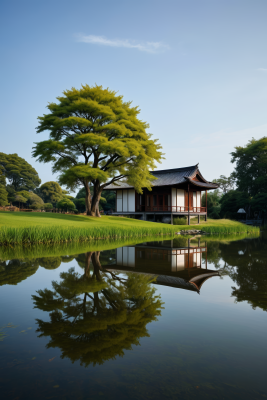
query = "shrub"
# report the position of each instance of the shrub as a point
(180, 221)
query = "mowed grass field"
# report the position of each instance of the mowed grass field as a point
(23, 228)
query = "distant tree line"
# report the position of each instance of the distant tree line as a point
(20, 187)
(246, 187)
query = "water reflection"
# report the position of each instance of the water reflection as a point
(246, 263)
(181, 267)
(96, 315)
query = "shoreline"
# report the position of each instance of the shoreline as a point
(25, 229)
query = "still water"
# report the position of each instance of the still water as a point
(157, 320)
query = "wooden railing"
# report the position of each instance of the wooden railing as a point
(170, 209)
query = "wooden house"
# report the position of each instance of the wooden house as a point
(175, 192)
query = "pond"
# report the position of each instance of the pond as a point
(171, 319)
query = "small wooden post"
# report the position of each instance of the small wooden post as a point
(206, 206)
(171, 218)
(188, 207)
(198, 218)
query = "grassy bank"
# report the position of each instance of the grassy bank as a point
(24, 228)
(20, 228)
(221, 226)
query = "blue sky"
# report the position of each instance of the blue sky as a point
(197, 69)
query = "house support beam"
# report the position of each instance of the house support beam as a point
(172, 219)
(188, 207)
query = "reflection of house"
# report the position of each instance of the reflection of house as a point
(174, 192)
(176, 267)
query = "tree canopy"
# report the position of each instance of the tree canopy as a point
(97, 137)
(19, 173)
(32, 199)
(51, 192)
(3, 191)
(225, 183)
(66, 204)
(251, 167)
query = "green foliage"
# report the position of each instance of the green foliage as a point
(80, 204)
(107, 200)
(225, 183)
(20, 174)
(245, 263)
(95, 317)
(14, 271)
(97, 137)
(11, 194)
(32, 199)
(232, 201)
(213, 203)
(51, 192)
(66, 204)
(3, 191)
(48, 206)
(251, 167)
(20, 199)
(179, 221)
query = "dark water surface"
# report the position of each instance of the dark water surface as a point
(92, 325)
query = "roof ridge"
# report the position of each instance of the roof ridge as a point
(175, 169)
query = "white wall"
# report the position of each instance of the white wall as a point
(198, 199)
(194, 199)
(119, 200)
(131, 200)
(180, 197)
(174, 197)
(126, 200)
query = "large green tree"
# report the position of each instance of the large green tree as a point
(19, 173)
(251, 167)
(32, 199)
(97, 137)
(225, 183)
(3, 191)
(51, 192)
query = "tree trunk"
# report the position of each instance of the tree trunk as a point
(87, 198)
(95, 201)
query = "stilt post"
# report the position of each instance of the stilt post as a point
(188, 207)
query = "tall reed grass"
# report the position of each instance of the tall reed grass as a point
(56, 234)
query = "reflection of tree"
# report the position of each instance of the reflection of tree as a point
(245, 263)
(15, 271)
(50, 262)
(213, 254)
(96, 316)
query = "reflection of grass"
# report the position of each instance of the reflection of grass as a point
(72, 248)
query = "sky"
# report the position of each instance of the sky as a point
(196, 69)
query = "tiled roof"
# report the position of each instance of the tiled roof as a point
(168, 177)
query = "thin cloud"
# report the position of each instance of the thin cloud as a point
(262, 69)
(149, 47)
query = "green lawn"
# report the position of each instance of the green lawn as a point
(21, 228)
